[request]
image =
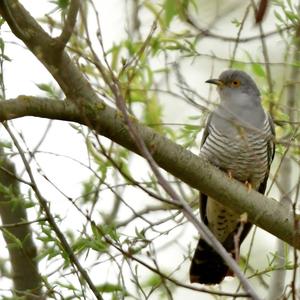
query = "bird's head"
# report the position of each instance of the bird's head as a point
(232, 83)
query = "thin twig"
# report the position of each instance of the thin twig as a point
(266, 58)
(25, 223)
(238, 37)
(208, 33)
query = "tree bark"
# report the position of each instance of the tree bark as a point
(18, 237)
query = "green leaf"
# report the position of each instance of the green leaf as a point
(152, 281)
(292, 16)
(156, 13)
(170, 11)
(115, 54)
(6, 144)
(258, 70)
(153, 113)
(97, 244)
(89, 190)
(111, 288)
(278, 16)
(236, 22)
(12, 240)
(44, 87)
(140, 233)
(62, 4)
(2, 45)
(49, 252)
(238, 65)
(49, 89)
(110, 230)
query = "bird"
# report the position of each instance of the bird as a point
(239, 139)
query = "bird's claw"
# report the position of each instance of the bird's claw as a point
(248, 185)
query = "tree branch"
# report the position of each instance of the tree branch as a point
(25, 274)
(69, 25)
(267, 213)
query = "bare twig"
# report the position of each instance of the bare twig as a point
(24, 223)
(267, 65)
(238, 37)
(208, 33)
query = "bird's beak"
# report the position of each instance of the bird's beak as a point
(218, 82)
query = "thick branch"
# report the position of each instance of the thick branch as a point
(265, 212)
(25, 274)
(89, 110)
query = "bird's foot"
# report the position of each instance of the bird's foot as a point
(229, 173)
(248, 185)
(244, 218)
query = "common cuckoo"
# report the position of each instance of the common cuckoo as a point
(238, 139)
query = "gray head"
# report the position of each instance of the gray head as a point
(240, 101)
(234, 82)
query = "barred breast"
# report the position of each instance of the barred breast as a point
(244, 155)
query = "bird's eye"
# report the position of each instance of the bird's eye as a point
(235, 83)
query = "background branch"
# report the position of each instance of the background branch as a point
(22, 250)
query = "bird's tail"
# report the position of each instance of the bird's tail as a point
(207, 266)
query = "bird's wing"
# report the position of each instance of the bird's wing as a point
(203, 197)
(263, 185)
(271, 153)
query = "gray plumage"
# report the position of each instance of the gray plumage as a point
(239, 139)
